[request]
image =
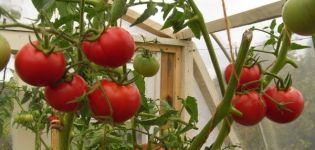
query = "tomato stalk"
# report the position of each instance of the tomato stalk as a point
(225, 106)
(224, 132)
(64, 133)
(210, 48)
(282, 59)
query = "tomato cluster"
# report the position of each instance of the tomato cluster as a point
(277, 104)
(66, 92)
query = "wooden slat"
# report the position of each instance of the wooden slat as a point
(148, 25)
(259, 14)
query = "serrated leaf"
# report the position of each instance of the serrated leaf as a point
(27, 96)
(190, 104)
(118, 9)
(174, 19)
(296, 46)
(167, 9)
(150, 11)
(194, 27)
(161, 120)
(42, 5)
(271, 41)
(280, 27)
(273, 24)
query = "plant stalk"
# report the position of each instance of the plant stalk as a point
(282, 59)
(225, 106)
(210, 48)
(65, 132)
(224, 132)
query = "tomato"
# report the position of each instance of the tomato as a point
(115, 47)
(62, 96)
(123, 99)
(252, 107)
(148, 66)
(38, 69)
(248, 75)
(298, 16)
(24, 118)
(283, 106)
(5, 52)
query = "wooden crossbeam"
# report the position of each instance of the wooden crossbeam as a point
(149, 25)
(255, 15)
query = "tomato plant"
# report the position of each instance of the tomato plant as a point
(298, 16)
(283, 106)
(249, 76)
(37, 68)
(114, 48)
(251, 106)
(64, 96)
(110, 99)
(147, 65)
(5, 52)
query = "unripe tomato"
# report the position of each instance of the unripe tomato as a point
(283, 106)
(37, 68)
(248, 75)
(252, 107)
(299, 16)
(123, 99)
(148, 66)
(115, 47)
(5, 52)
(24, 118)
(62, 96)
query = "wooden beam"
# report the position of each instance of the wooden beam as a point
(148, 25)
(259, 14)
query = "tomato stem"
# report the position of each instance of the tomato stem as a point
(281, 58)
(224, 132)
(224, 107)
(64, 135)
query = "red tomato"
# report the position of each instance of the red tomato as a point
(61, 96)
(123, 99)
(38, 69)
(114, 48)
(247, 75)
(252, 107)
(283, 106)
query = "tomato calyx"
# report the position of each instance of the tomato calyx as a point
(282, 85)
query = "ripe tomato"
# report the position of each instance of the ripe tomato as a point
(38, 69)
(148, 66)
(114, 48)
(62, 96)
(247, 75)
(298, 16)
(283, 106)
(5, 52)
(252, 107)
(123, 99)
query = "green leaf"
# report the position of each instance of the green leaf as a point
(161, 120)
(296, 46)
(194, 27)
(66, 19)
(27, 96)
(271, 41)
(150, 11)
(166, 8)
(273, 24)
(118, 9)
(174, 19)
(190, 104)
(42, 5)
(280, 27)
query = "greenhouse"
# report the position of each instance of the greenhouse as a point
(157, 75)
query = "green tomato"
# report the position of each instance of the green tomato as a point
(5, 52)
(148, 66)
(299, 16)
